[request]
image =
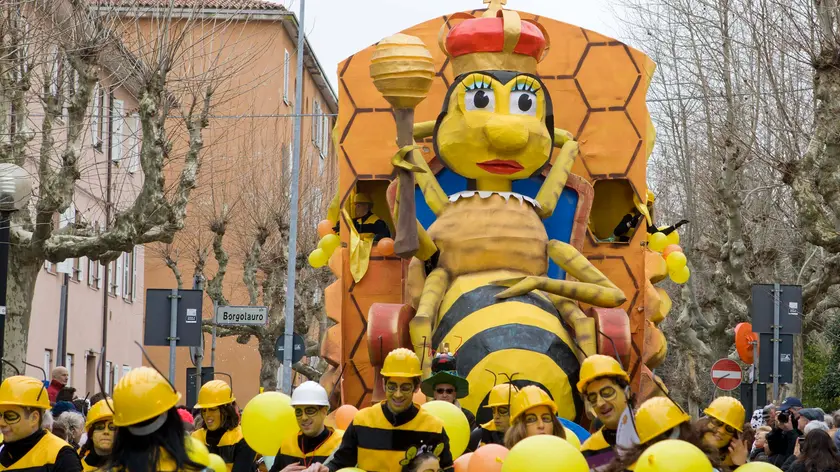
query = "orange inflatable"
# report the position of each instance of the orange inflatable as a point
(344, 416)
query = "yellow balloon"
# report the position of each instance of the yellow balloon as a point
(758, 467)
(657, 242)
(673, 238)
(545, 453)
(197, 451)
(456, 424)
(351, 469)
(572, 438)
(217, 463)
(267, 420)
(329, 243)
(318, 258)
(676, 261)
(681, 276)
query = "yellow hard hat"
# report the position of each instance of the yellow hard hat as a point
(102, 410)
(502, 395)
(142, 395)
(21, 390)
(401, 362)
(673, 455)
(197, 451)
(214, 393)
(597, 366)
(362, 198)
(657, 416)
(217, 463)
(529, 397)
(729, 411)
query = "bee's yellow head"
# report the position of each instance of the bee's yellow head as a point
(495, 125)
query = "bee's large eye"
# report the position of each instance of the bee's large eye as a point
(481, 99)
(523, 103)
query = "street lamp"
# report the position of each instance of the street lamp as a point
(15, 190)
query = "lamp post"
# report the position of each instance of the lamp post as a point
(15, 189)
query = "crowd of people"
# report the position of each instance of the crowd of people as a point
(143, 427)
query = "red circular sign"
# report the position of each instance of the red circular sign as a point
(726, 374)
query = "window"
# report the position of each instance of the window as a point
(70, 362)
(48, 359)
(126, 369)
(115, 275)
(49, 267)
(94, 275)
(79, 265)
(117, 132)
(316, 122)
(95, 114)
(286, 60)
(325, 135)
(109, 386)
(134, 274)
(67, 218)
(134, 143)
(126, 275)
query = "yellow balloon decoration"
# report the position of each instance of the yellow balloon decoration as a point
(351, 469)
(758, 467)
(544, 453)
(676, 261)
(268, 420)
(217, 464)
(318, 258)
(681, 276)
(572, 438)
(665, 304)
(329, 243)
(657, 242)
(674, 237)
(456, 424)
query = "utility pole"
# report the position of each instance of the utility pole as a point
(198, 284)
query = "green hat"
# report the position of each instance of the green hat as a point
(444, 372)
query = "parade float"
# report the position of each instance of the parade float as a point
(503, 149)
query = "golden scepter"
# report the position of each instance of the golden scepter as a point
(402, 70)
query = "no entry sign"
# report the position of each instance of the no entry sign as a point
(726, 374)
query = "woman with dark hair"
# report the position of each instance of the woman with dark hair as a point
(532, 412)
(658, 419)
(817, 453)
(151, 434)
(100, 440)
(221, 432)
(422, 460)
(722, 429)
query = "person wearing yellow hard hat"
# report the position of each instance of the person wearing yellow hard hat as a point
(722, 427)
(532, 412)
(604, 386)
(100, 428)
(657, 419)
(493, 432)
(315, 442)
(379, 436)
(673, 455)
(150, 434)
(626, 228)
(365, 221)
(222, 433)
(26, 444)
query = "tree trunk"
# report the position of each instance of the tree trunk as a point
(20, 291)
(270, 364)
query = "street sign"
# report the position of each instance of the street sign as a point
(765, 358)
(298, 348)
(790, 309)
(726, 374)
(241, 315)
(158, 307)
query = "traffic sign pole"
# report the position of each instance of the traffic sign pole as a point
(777, 295)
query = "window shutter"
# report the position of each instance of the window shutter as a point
(118, 276)
(91, 272)
(127, 275)
(134, 274)
(94, 117)
(117, 132)
(316, 110)
(134, 144)
(82, 266)
(286, 59)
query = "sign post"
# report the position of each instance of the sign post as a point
(776, 314)
(726, 374)
(173, 318)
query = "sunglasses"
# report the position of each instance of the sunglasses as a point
(448, 391)
(309, 411)
(501, 411)
(607, 393)
(717, 424)
(101, 426)
(11, 417)
(404, 388)
(532, 419)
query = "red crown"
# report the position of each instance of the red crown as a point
(488, 35)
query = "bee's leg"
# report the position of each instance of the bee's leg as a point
(583, 325)
(420, 327)
(555, 182)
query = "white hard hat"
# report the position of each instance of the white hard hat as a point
(310, 393)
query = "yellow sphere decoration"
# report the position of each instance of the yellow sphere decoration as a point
(572, 438)
(676, 261)
(318, 258)
(681, 276)
(657, 242)
(268, 420)
(217, 463)
(329, 243)
(351, 469)
(665, 304)
(544, 453)
(456, 424)
(674, 237)
(758, 467)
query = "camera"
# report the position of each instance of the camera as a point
(784, 417)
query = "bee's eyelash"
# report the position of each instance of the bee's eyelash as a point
(479, 82)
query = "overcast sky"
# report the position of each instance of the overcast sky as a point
(338, 28)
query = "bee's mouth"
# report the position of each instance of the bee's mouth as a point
(501, 166)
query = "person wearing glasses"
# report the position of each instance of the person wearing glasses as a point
(605, 387)
(722, 428)
(532, 412)
(26, 444)
(101, 431)
(446, 385)
(315, 442)
(493, 432)
(222, 433)
(379, 436)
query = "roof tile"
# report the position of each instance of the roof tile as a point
(215, 4)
